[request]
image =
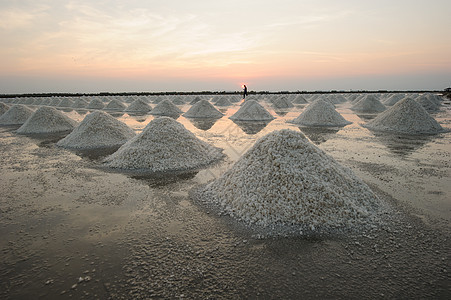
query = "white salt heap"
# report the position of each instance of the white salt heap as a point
(286, 180)
(299, 100)
(393, 99)
(95, 104)
(281, 102)
(368, 104)
(138, 106)
(164, 145)
(320, 113)
(166, 108)
(203, 109)
(252, 111)
(47, 120)
(407, 117)
(97, 130)
(428, 103)
(195, 100)
(16, 115)
(55, 102)
(80, 103)
(3, 108)
(178, 101)
(66, 102)
(115, 105)
(223, 101)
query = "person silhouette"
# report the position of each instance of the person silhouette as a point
(244, 91)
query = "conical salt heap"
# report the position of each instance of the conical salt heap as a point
(368, 104)
(223, 101)
(195, 100)
(97, 130)
(66, 102)
(80, 103)
(281, 103)
(251, 110)
(203, 109)
(95, 104)
(178, 101)
(47, 120)
(166, 108)
(393, 99)
(55, 102)
(299, 100)
(115, 105)
(286, 180)
(406, 117)
(16, 115)
(3, 108)
(428, 103)
(138, 106)
(320, 113)
(164, 145)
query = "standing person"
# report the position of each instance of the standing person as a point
(244, 91)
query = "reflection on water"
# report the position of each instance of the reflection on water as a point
(96, 154)
(203, 124)
(116, 114)
(403, 144)
(138, 117)
(252, 127)
(282, 113)
(81, 111)
(366, 117)
(319, 135)
(162, 179)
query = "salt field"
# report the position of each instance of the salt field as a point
(77, 225)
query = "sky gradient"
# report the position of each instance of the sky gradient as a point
(178, 45)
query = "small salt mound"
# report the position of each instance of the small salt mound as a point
(55, 102)
(223, 101)
(234, 99)
(16, 115)
(252, 111)
(3, 108)
(178, 101)
(116, 105)
(66, 102)
(286, 180)
(95, 104)
(369, 104)
(138, 106)
(320, 113)
(393, 99)
(97, 130)
(203, 109)
(195, 100)
(299, 100)
(38, 101)
(47, 120)
(406, 117)
(166, 108)
(281, 102)
(80, 103)
(427, 103)
(164, 145)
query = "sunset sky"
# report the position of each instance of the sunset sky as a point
(180, 45)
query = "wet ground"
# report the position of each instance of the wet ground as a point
(73, 230)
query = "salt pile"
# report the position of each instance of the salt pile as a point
(368, 104)
(138, 106)
(54, 102)
(320, 113)
(286, 180)
(428, 103)
(393, 99)
(166, 108)
(195, 100)
(3, 108)
(203, 109)
(16, 115)
(164, 145)
(80, 103)
(47, 120)
(95, 104)
(281, 103)
(223, 101)
(97, 130)
(406, 117)
(299, 100)
(252, 111)
(178, 101)
(66, 102)
(116, 105)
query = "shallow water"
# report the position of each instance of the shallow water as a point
(64, 218)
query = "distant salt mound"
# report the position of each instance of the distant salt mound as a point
(369, 104)
(97, 130)
(164, 145)
(234, 99)
(286, 180)
(16, 115)
(320, 113)
(54, 102)
(252, 111)
(393, 99)
(66, 102)
(166, 108)
(203, 109)
(80, 103)
(223, 102)
(47, 120)
(138, 106)
(405, 117)
(115, 105)
(95, 104)
(299, 100)
(428, 103)
(38, 101)
(281, 103)
(3, 108)
(178, 101)
(195, 100)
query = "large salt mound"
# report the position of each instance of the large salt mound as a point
(407, 117)
(47, 120)
(97, 130)
(203, 109)
(369, 104)
(138, 106)
(95, 104)
(116, 105)
(252, 111)
(320, 113)
(164, 146)
(3, 108)
(286, 180)
(166, 108)
(16, 115)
